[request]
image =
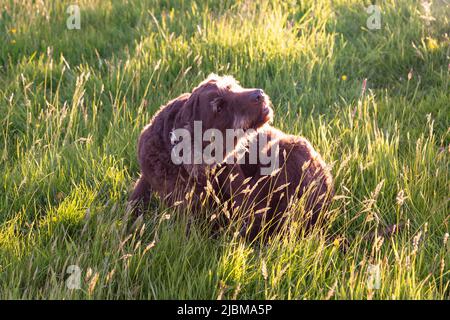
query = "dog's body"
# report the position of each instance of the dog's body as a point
(220, 103)
(302, 174)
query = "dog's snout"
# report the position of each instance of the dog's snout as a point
(257, 95)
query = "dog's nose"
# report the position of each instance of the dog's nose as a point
(257, 95)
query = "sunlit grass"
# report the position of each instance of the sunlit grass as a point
(72, 104)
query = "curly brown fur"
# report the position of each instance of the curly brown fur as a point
(302, 174)
(219, 103)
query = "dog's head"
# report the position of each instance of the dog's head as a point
(221, 103)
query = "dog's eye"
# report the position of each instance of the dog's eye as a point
(218, 104)
(219, 107)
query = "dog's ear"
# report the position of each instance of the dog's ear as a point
(187, 114)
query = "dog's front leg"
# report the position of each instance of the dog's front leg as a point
(140, 198)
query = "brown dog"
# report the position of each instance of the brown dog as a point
(219, 103)
(302, 174)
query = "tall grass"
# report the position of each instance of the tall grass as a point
(72, 104)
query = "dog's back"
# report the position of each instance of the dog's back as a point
(302, 173)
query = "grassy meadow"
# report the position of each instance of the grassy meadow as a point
(73, 102)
